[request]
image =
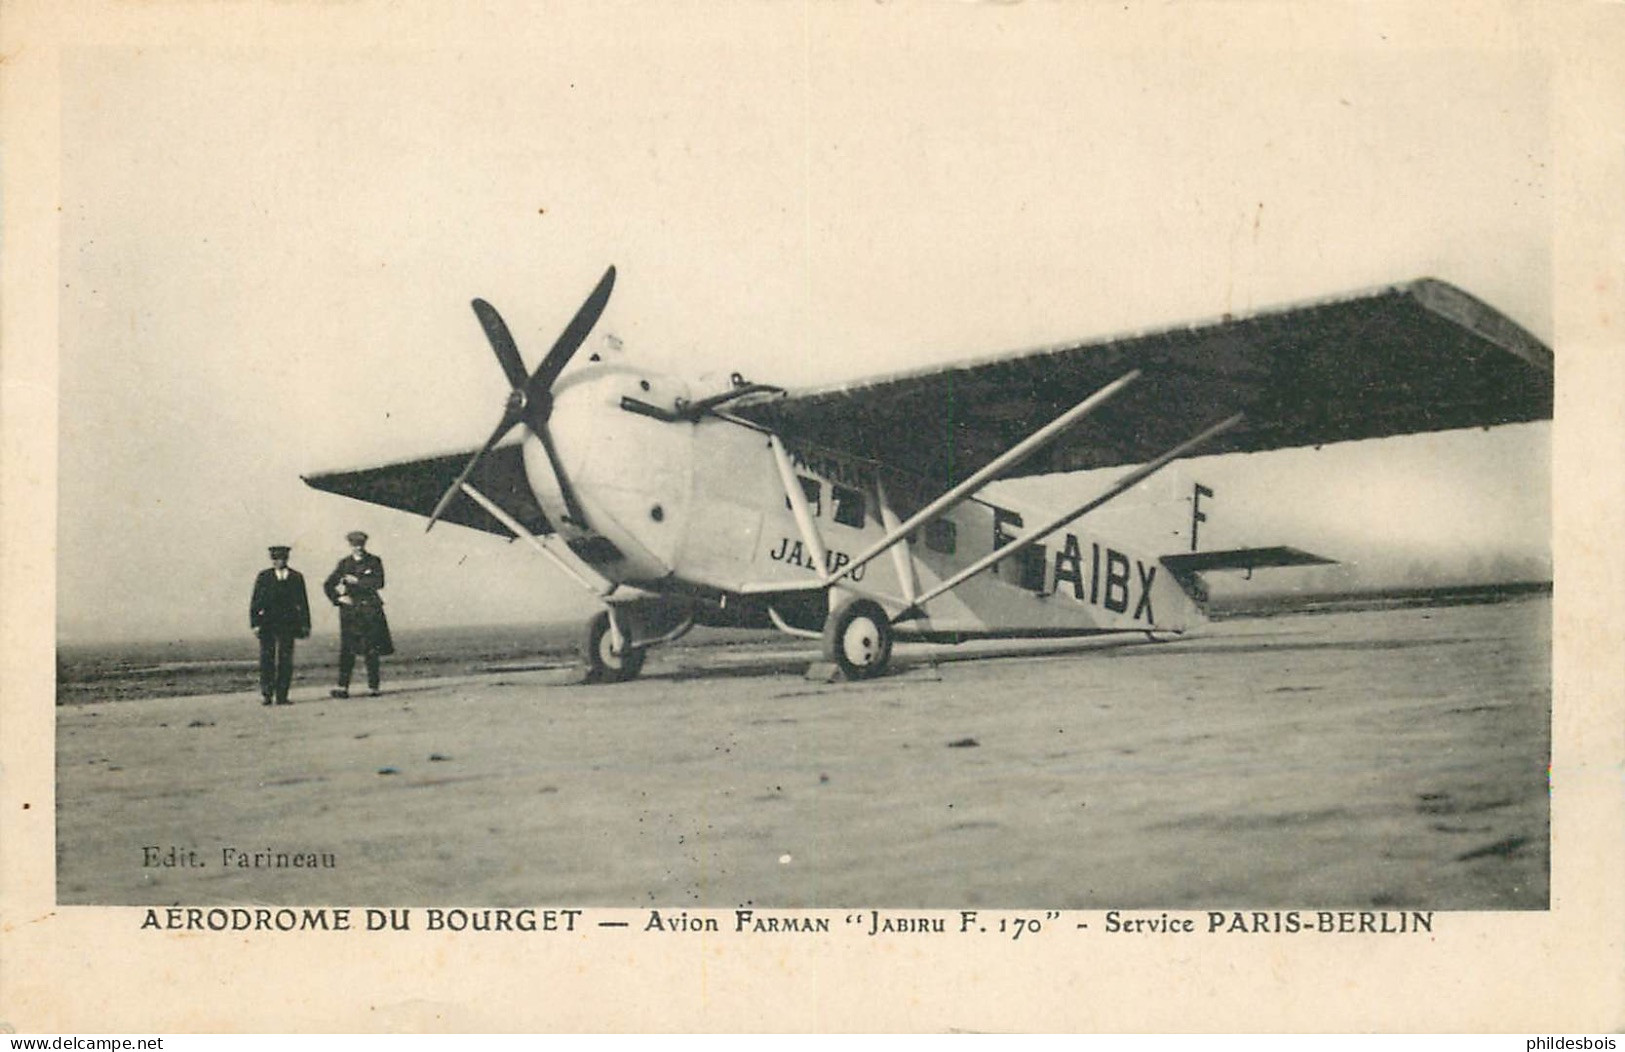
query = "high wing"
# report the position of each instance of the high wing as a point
(416, 486)
(1422, 356)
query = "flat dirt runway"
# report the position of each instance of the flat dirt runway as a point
(1381, 758)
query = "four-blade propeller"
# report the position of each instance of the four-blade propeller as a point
(530, 398)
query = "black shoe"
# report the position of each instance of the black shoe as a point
(283, 701)
(338, 692)
(267, 698)
(374, 692)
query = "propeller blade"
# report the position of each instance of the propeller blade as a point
(571, 508)
(509, 419)
(496, 331)
(571, 339)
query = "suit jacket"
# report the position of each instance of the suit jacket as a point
(280, 606)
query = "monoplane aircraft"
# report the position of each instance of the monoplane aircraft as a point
(858, 513)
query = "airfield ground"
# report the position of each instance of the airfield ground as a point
(1379, 758)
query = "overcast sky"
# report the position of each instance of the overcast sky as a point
(268, 251)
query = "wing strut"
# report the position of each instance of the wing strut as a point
(1128, 481)
(798, 504)
(902, 562)
(1007, 460)
(579, 572)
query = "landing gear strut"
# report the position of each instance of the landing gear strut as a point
(604, 663)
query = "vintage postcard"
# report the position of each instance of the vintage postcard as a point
(885, 516)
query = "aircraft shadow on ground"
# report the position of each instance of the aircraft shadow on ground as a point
(797, 665)
(1260, 647)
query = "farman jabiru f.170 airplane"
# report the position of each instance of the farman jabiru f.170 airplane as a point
(857, 513)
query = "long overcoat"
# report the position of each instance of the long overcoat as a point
(363, 628)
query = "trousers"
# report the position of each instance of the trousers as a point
(276, 663)
(347, 666)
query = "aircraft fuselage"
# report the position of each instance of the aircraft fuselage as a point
(701, 508)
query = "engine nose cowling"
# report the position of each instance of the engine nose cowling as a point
(629, 473)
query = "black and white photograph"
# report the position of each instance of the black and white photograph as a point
(852, 480)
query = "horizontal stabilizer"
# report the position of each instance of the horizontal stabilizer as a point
(417, 485)
(1240, 559)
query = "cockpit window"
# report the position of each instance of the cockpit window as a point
(813, 490)
(848, 505)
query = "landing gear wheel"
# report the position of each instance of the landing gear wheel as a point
(603, 664)
(858, 638)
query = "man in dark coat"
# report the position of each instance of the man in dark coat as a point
(353, 587)
(278, 613)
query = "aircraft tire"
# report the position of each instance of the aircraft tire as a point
(858, 639)
(603, 666)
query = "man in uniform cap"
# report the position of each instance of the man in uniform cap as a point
(278, 613)
(353, 587)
